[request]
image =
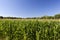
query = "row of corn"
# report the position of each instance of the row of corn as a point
(29, 30)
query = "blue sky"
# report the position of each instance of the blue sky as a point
(29, 8)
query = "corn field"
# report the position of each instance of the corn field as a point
(29, 30)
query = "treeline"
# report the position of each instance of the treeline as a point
(1, 17)
(57, 16)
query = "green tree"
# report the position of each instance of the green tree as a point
(57, 16)
(1, 17)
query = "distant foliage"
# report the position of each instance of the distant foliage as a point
(57, 16)
(1, 17)
(47, 17)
